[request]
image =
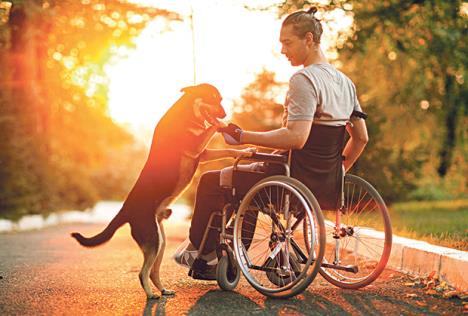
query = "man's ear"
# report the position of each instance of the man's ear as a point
(309, 38)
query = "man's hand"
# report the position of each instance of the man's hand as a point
(232, 134)
(245, 153)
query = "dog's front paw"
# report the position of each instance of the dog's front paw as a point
(153, 297)
(167, 292)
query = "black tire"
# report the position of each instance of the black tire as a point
(361, 199)
(227, 275)
(281, 288)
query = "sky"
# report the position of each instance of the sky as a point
(232, 45)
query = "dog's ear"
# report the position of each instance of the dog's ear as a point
(188, 89)
(208, 92)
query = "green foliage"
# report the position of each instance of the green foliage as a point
(258, 108)
(441, 222)
(408, 60)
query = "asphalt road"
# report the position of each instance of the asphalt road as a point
(47, 273)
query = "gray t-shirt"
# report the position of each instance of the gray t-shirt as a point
(321, 93)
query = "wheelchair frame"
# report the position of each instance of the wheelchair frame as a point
(226, 239)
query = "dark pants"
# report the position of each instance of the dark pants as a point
(210, 198)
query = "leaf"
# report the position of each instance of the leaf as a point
(411, 295)
(420, 303)
(431, 292)
(451, 294)
(431, 284)
(409, 284)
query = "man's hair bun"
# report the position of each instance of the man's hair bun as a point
(312, 10)
(304, 22)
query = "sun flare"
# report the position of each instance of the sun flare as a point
(214, 47)
(145, 81)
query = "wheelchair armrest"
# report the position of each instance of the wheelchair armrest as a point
(269, 158)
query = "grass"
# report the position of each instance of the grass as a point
(443, 223)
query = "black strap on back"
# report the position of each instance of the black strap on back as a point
(359, 114)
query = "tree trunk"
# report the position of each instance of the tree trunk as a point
(449, 140)
(26, 160)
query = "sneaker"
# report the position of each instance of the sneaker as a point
(211, 258)
(185, 257)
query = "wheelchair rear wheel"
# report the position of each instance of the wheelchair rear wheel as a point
(363, 242)
(269, 241)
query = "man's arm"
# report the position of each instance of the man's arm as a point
(293, 136)
(356, 143)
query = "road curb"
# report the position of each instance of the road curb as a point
(420, 258)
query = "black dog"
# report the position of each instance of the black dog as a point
(179, 138)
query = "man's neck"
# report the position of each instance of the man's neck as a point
(317, 57)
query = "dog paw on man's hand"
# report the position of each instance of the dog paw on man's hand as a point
(232, 134)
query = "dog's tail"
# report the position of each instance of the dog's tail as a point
(103, 236)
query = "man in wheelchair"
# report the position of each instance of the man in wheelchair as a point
(321, 104)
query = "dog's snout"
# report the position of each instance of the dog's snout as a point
(221, 112)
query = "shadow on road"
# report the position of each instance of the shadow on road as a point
(218, 302)
(160, 308)
(373, 304)
(228, 303)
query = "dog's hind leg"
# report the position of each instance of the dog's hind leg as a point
(149, 253)
(156, 270)
(147, 238)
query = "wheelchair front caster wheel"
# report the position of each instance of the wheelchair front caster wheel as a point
(227, 274)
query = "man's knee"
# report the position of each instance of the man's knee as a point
(209, 182)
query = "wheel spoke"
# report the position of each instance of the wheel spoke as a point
(274, 240)
(364, 210)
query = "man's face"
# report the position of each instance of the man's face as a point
(293, 47)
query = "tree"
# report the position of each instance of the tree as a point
(56, 135)
(429, 38)
(408, 59)
(258, 108)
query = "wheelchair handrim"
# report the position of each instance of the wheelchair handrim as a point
(240, 256)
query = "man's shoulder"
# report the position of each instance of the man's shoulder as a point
(315, 70)
(299, 78)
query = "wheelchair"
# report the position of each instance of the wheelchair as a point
(278, 237)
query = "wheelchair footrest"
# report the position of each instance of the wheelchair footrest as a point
(206, 276)
(202, 271)
(348, 268)
(199, 264)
